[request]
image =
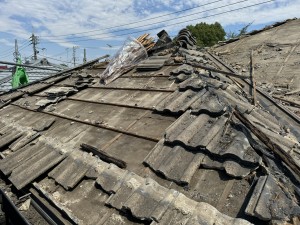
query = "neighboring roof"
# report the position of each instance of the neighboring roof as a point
(33, 74)
(165, 143)
(276, 59)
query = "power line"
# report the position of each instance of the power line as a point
(23, 47)
(160, 27)
(150, 24)
(126, 24)
(59, 60)
(10, 53)
(29, 66)
(61, 53)
(100, 47)
(13, 48)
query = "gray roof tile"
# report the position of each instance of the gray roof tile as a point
(70, 171)
(186, 69)
(194, 131)
(178, 102)
(152, 63)
(175, 163)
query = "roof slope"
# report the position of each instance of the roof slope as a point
(276, 59)
(161, 145)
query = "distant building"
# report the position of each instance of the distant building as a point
(34, 74)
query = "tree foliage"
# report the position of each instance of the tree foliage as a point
(207, 34)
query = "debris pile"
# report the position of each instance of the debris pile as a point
(146, 41)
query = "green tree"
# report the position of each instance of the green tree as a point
(207, 34)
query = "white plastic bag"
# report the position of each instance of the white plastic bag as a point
(130, 54)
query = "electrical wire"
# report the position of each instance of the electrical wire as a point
(21, 48)
(60, 53)
(47, 57)
(5, 55)
(164, 26)
(12, 49)
(162, 21)
(127, 24)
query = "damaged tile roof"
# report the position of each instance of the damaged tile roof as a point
(168, 142)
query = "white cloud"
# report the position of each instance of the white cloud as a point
(6, 42)
(60, 17)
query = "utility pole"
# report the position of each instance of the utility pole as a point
(84, 55)
(16, 54)
(34, 42)
(74, 55)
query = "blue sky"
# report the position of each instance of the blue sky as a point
(97, 25)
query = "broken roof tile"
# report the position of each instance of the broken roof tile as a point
(14, 160)
(70, 171)
(231, 167)
(186, 69)
(33, 167)
(147, 200)
(42, 125)
(190, 58)
(186, 212)
(270, 201)
(47, 101)
(203, 101)
(26, 138)
(181, 77)
(179, 165)
(209, 103)
(190, 52)
(60, 91)
(193, 83)
(9, 136)
(213, 134)
(232, 143)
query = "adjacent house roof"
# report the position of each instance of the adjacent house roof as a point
(167, 142)
(34, 74)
